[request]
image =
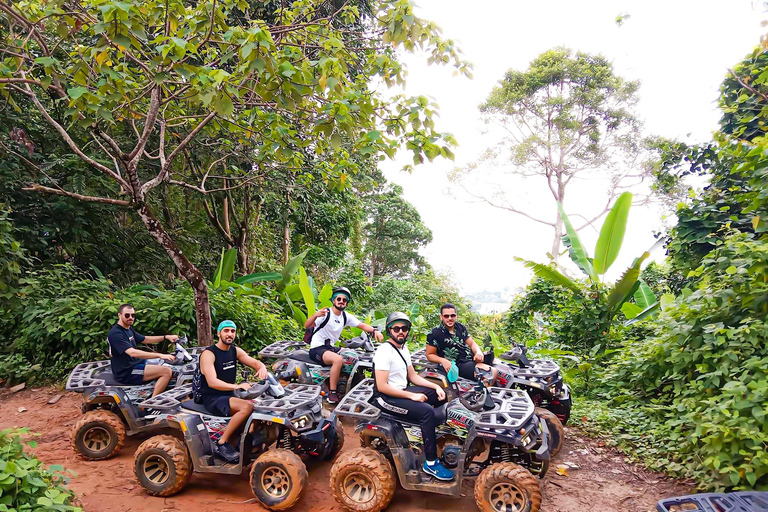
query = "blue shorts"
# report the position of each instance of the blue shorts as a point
(218, 405)
(136, 376)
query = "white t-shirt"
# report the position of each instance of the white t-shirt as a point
(331, 330)
(386, 359)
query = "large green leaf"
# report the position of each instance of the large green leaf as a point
(306, 292)
(324, 297)
(612, 233)
(627, 285)
(228, 264)
(576, 249)
(631, 310)
(651, 310)
(259, 276)
(644, 296)
(290, 269)
(550, 274)
(217, 274)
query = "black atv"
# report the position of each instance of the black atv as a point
(112, 410)
(745, 501)
(286, 422)
(509, 436)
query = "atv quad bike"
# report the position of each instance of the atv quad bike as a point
(513, 439)
(473, 391)
(293, 364)
(745, 501)
(288, 418)
(539, 377)
(112, 410)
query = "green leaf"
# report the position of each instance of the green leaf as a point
(306, 292)
(650, 311)
(550, 274)
(223, 105)
(335, 141)
(76, 92)
(217, 275)
(258, 277)
(290, 269)
(575, 248)
(644, 296)
(631, 310)
(625, 286)
(612, 233)
(228, 264)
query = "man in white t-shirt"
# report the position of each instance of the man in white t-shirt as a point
(401, 392)
(327, 325)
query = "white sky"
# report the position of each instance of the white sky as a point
(679, 49)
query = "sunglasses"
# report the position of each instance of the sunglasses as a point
(450, 316)
(342, 299)
(129, 315)
(400, 328)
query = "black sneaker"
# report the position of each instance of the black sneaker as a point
(226, 452)
(333, 397)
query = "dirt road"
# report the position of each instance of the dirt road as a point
(598, 479)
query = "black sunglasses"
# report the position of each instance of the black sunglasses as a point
(400, 328)
(129, 315)
(342, 299)
(450, 316)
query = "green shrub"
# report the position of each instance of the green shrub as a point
(25, 485)
(66, 317)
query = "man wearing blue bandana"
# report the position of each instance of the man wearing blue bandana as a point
(327, 325)
(218, 368)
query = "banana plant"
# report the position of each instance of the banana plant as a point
(606, 251)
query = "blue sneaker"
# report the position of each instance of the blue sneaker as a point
(438, 471)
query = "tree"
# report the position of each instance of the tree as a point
(133, 89)
(567, 116)
(394, 233)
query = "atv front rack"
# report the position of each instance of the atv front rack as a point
(357, 403)
(281, 349)
(747, 501)
(82, 377)
(296, 396)
(420, 361)
(513, 408)
(168, 399)
(539, 368)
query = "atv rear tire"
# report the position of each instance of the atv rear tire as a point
(555, 427)
(337, 443)
(162, 465)
(278, 478)
(362, 480)
(98, 435)
(507, 487)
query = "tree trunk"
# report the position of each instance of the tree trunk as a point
(287, 229)
(193, 276)
(557, 238)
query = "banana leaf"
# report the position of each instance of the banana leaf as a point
(627, 285)
(612, 233)
(576, 249)
(290, 269)
(306, 292)
(258, 277)
(226, 267)
(550, 274)
(631, 310)
(644, 296)
(324, 297)
(647, 312)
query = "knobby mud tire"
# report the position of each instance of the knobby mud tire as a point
(362, 480)
(556, 430)
(504, 484)
(106, 423)
(278, 477)
(166, 457)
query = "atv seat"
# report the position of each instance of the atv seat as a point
(302, 356)
(109, 380)
(441, 415)
(191, 405)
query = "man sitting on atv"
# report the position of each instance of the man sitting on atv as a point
(327, 326)
(126, 360)
(451, 342)
(218, 369)
(401, 392)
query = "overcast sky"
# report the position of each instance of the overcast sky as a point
(679, 50)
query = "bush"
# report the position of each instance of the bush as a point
(66, 317)
(705, 375)
(25, 484)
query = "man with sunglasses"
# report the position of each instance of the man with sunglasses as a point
(451, 342)
(401, 392)
(127, 365)
(327, 325)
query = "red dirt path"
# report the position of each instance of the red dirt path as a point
(602, 482)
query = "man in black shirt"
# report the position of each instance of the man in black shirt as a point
(451, 342)
(126, 360)
(218, 366)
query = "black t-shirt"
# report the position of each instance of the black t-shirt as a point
(225, 364)
(120, 340)
(451, 346)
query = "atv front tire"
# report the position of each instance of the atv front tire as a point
(507, 487)
(555, 427)
(162, 465)
(336, 444)
(362, 480)
(278, 478)
(98, 435)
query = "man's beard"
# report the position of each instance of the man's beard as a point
(341, 308)
(228, 341)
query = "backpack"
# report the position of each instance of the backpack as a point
(309, 332)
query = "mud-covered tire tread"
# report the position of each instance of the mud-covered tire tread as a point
(176, 450)
(374, 465)
(553, 423)
(507, 471)
(99, 416)
(338, 443)
(296, 469)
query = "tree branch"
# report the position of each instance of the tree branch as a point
(35, 187)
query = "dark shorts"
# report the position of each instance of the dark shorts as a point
(316, 354)
(467, 369)
(136, 376)
(218, 404)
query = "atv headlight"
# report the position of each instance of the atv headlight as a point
(553, 389)
(302, 422)
(526, 440)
